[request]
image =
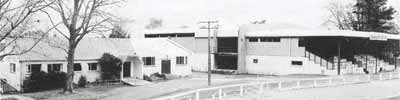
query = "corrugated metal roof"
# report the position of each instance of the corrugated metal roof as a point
(308, 33)
(88, 48)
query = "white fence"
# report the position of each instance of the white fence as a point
(261, 86)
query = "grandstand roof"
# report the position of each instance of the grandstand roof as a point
(310, 33)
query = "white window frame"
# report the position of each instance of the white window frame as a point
(52, 66)
(79, 65)
(181, 60)
(90, 65)
(13, 67)
(30, 67)
(152, 61)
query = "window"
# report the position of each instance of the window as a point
(255, 61)
(181, 60)
(54, 67)
(77, 67)
(12, 68)
(270, 39)
(149, 61)
(92, 66)
(301, 42)
(297, 63)
(275, 39)
(264, 39)
(253, 39)
(34, 68)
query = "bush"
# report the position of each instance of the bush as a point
(110, 67)
(44, 81)
(147, 78)
(82, 82)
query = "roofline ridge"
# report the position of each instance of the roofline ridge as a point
(180, 46)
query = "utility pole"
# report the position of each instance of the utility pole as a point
(209, 46)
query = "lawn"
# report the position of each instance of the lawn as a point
(123, 92)
(90, 93)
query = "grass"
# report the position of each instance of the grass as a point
(89, 93)
(9, 99)
(393, 98)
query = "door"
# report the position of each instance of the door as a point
(166, 66)
(127, 69)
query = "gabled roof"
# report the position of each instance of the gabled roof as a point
(53, 49)
(88, 49)
(158, 46)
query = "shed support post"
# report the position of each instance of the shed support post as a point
(339, 55)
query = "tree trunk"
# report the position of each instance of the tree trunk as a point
(70, 69)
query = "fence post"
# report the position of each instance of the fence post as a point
(261, 88)
(390, 76)
(330, 81)
(197, 95)
(380, 76)
(315, 83)
(298, 84)
(344, 80)
(220, 93)
(280, 85)
(241, 90)
(369, 78)
(398, 75)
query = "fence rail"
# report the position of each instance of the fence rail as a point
(261, 86)
(5, 87)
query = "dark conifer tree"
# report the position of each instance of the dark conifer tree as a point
(373, 15)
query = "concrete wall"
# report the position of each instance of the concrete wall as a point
(201, 62)
(286, 47)
(280, 65)
(202, 44)
(187, 42)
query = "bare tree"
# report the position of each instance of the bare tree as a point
(79, 18)
(119, 29)
(340, 15)
(16, 19)
(154, 23)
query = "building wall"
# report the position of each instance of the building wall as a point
(187, 42)
(286, 47)
(280, 65)
(90, 75)
(14, 79)
(202, 44)
(181, 70)
(201, 62)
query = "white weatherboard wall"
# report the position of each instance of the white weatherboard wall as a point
(91, 76)
(163, 49)
(14, 79)
(280, 65)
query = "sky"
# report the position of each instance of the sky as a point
(229, 13)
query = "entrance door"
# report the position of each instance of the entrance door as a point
(127, 69)
(166, 66)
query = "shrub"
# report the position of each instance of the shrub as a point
(147, 78)
(82, 82)
(44, 81)
(110, 67)
(159, 75)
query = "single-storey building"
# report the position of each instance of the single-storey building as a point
(140, 57)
